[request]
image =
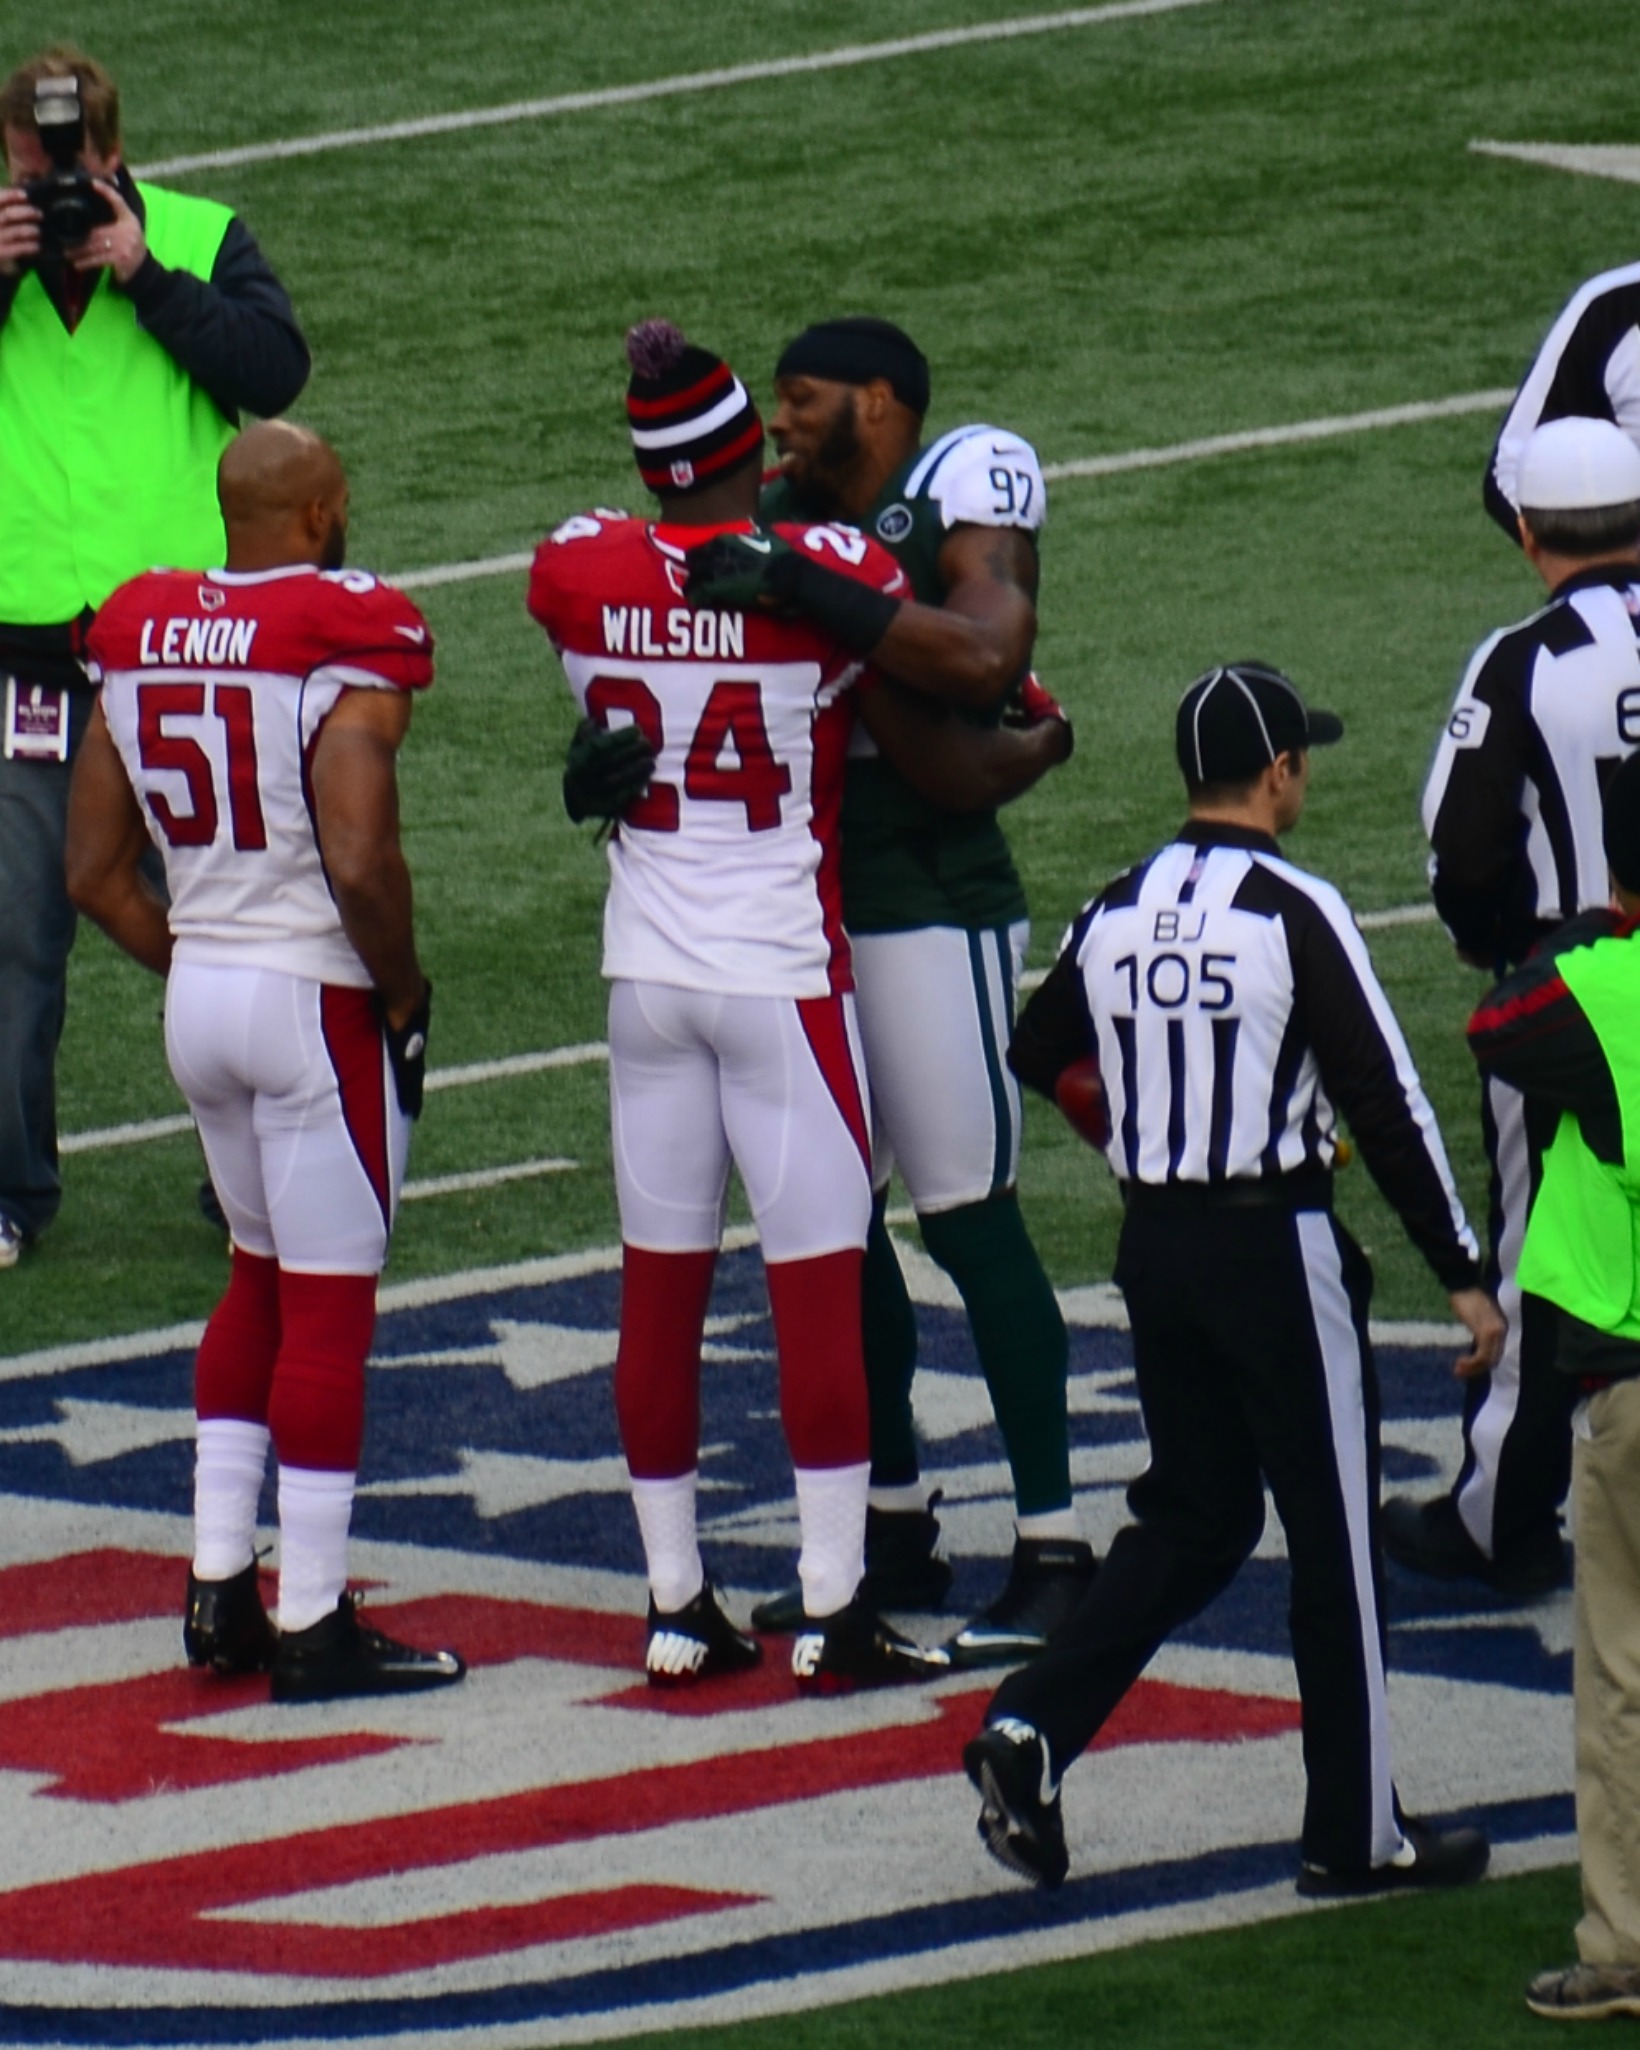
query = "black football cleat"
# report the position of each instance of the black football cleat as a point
(1019, 1819)
(1428, 1857)
(696, 1642)
(905, 1569)
(339, 1658)
(225, 1625)
(856, 1649)
(1046, 1580)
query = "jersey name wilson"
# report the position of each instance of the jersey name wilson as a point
(705, 636)
(206, 643)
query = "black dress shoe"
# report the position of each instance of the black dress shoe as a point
(1428, 1857)
(225, 1625)
(1432, 1538)
(339, 1658)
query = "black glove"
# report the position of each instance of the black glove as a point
(758, 572)
(604, 771)
(755, 572)
(407, 1050)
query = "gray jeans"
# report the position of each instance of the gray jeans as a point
(36, 932)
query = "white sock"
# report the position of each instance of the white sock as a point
(315, 1509)
(897, 1500)
(1052, 1524)
(230, 1459)
(666, 1523)
(831, 1509)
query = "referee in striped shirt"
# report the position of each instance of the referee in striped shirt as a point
(1227, 1002)
(1546, 711)
(1588, 366)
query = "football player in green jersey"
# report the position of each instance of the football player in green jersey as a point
(937, 919)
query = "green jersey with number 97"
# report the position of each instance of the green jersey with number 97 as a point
(906, 862)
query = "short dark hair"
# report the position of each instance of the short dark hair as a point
(99, 95)
(1584, 530)
(1222, 793)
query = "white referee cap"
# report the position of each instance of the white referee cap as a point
(1578, 465)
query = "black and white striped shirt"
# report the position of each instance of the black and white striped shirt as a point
(1234, 1013)
(1546, 711)
(1588, 366)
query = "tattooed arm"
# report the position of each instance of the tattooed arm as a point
(975, 647)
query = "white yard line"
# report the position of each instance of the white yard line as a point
(1329, 428)
(1099, 1306)
(849, 57)
(484, 1178)
(1398, 914)
(510, 1065)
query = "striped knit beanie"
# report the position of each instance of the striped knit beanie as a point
(692, 419)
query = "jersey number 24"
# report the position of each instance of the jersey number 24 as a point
(733, 714)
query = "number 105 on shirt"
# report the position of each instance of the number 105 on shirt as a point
(1172, 980)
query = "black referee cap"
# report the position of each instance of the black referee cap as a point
(1236, 719)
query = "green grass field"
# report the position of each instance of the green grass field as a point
(1127, 235)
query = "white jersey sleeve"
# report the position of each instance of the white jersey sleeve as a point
(982, 477)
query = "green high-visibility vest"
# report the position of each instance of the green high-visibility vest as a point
(108, 449)
(1582, 1245)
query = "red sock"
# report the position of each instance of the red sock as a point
(816, 1305)
(657, 1366)
(316, 1414)
(233, 1369)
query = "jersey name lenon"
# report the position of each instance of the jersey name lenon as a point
(216, 688)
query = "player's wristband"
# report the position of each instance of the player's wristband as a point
(851, 612)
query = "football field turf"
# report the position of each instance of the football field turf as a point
(1127, 232)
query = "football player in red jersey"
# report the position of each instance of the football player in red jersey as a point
(732, 1031)
(248, 723)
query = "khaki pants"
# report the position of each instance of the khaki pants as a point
(1606, 1671)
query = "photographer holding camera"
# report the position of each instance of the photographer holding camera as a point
(136, 325)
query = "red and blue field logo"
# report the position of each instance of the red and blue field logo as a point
(552, 1852)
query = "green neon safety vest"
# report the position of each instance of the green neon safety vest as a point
(108, 449)
(1582, 1246)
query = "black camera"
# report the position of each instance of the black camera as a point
(69, 203)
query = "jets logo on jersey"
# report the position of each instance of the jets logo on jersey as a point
(556, 1848)
(894, 523)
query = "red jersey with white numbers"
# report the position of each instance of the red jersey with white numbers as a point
(215, 687)
(723, 875)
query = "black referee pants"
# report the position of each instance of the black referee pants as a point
(1253, 1364)
(1517, 1421)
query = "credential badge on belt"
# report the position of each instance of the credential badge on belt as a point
(36, 727)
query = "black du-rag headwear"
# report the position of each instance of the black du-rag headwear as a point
(692, 419)
(858, 350)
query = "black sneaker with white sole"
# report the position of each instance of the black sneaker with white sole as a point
(339, 1658)
(1046, 1580)
(905, 1569)
(1428, 1857)
(855, 1649)
(696, 1642)
(225, 1626)
(1019, 1819)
